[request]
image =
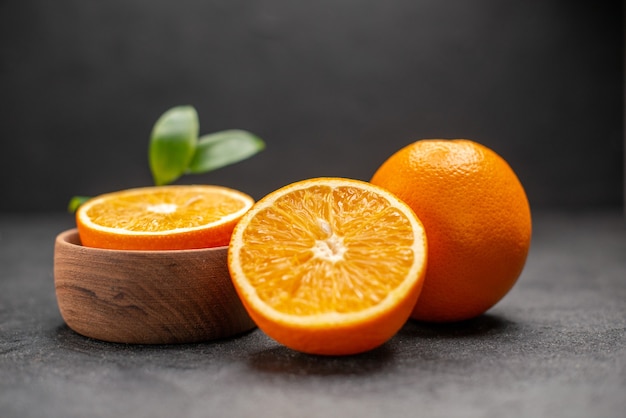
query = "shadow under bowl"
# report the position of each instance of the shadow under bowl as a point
(146, 297)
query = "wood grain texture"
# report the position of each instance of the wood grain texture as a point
(146, 297)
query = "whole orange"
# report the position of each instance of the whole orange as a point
(477, 221)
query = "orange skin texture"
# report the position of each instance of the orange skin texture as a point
(477, 220)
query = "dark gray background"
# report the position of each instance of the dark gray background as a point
(334, 87)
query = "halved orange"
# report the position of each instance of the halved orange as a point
(162, 218)
(329, 265)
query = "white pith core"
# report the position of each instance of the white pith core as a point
(332, 248)
(163, 208)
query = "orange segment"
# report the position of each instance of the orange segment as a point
(162, 218)
(329, 265)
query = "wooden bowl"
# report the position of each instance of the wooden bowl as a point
(146, 297)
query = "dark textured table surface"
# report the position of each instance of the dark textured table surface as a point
(555, 346)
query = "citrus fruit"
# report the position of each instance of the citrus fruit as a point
(162, 218)
(329, 266)
(477, 220)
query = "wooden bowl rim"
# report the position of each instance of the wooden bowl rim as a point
(71, 240)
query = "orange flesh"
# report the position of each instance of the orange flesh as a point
(326, 262)
(158, 212)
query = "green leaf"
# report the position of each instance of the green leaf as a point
(223, 148)
(173, 144)
(75, 202)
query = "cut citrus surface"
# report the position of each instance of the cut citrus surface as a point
(162, 218)
(329, 265)
(477, 220)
